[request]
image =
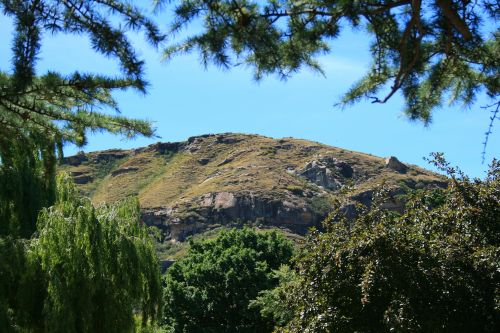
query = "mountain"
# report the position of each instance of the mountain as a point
(211, 180)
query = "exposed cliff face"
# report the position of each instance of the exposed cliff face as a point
(222, 208)
(210, 180)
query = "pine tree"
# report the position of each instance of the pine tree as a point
(428, 50)
(39, 113)
(33, 103)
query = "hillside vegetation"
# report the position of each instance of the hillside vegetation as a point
(213, 180)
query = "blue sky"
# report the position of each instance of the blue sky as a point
(185, 99)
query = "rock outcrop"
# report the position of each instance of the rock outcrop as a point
(224, 208)
(394, 164)
(120, 171)
(80, 178)
(327, 172)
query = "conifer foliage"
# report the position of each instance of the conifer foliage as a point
(39, 112)
(64, 106)
(426, 49)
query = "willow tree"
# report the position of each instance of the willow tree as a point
(96, 268)
(427, 49)
(39, 112)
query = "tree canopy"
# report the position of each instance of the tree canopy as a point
(428, 50)
(80, 269)
(89, 270)
(210, 289)
(434, 268)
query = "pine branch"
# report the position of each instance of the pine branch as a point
(494, 116)
(457, 22)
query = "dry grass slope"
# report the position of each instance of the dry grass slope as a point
(236, 163)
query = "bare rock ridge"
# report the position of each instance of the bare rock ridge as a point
(219, 179)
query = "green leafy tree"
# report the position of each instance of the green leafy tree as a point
(211, 288)
(435, 268)
(270, 302)
(426, 49)
(96, 268)
(39, 113)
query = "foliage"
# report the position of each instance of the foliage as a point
(41, 112)
(149, 328)
(99, 265)
(210, 289)
(321, 205)
(270, 302)
(435, 268)
(426, 49)
(89, 270)
(12, 264)
(26, 184)
(64, 107)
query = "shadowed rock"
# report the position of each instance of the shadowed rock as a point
(327, 172)
(123, 170)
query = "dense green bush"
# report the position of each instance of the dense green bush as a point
(435, 268)
(270, 302)
(12, 264)
(211, 288)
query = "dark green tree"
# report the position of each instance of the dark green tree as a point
(272, 302)
(211, 288)
(428, 50)
(13, 263)
(27, 183)
(435, 268)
